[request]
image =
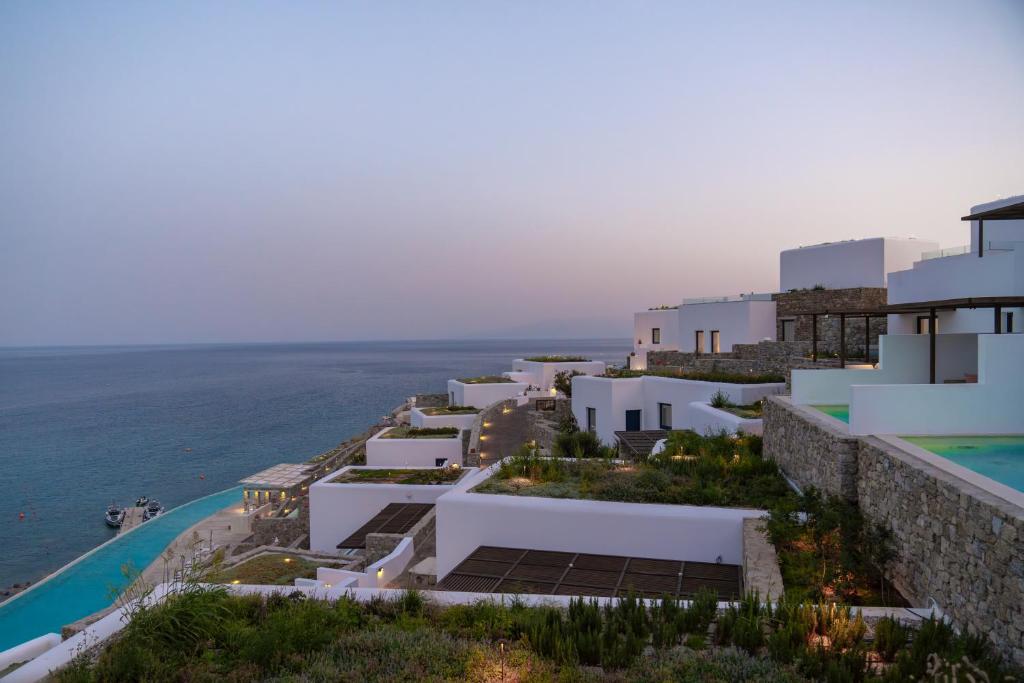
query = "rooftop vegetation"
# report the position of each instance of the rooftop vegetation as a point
(693, 470)
(724, 377)
(273, 569)
(406, 432)
(750, 411)
(417, 477)
(207, 634)
(486, 379)
(558, 359)
(449, 410)
(663, 307)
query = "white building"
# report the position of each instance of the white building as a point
(850, 263)
(605, 405)
(965, 376)
(481, 394)
(708, 325)
(541, 374)
(384, 451)
(990, 267)
(714, 325)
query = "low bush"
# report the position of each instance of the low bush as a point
(404, 432)
(207, 634)
(558, 359)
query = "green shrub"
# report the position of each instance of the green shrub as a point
(563, 381)
(890, 638)
(720, 399)
(580, 445)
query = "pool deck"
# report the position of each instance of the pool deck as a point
(225, 527)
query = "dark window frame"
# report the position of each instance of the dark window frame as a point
(591, 420)
(661, 416)
(655, 335)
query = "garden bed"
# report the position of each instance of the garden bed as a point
(723, 377)
(273, 569)
(557, 359)
(693, 470)
(403, 432)
(486, 379)
(411, 477)
(751, 411)
(210, 634)
(434, 411)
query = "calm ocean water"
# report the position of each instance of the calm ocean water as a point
(81, 427)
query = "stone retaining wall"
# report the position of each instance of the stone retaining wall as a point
(763, 358)
(955, 543)
(787, 304)
(809, 449)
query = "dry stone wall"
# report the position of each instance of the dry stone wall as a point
(809, 450)
(955, 543)
(788, 304)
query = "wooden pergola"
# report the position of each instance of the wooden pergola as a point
(931, 308)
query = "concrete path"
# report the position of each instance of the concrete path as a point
(505, 435)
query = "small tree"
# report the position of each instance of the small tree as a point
(563, 381)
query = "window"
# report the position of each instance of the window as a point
(1008, 327)
(591, 419)
(788, 330)
(655, 335)
(665, 415)
(716, 346)
(698, 341)
(922, 324)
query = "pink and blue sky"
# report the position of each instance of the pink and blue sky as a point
(256, 171)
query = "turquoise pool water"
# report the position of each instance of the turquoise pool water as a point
(85, 587)
(838, 411)
(997, 457)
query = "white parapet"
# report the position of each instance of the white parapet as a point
(382, 451)
(467, 520)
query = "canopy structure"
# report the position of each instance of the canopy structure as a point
(1010, 212)
(931, 308)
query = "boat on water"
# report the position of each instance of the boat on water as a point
(115, 516)
(142, 501)
(153, 509)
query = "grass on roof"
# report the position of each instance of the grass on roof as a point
(438, 475)
(272, 569)
(449, 410)
(558, 359)
(723, 377)
(405, 432)
(487, 379)
(694, 470)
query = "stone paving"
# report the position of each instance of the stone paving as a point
(506, 433)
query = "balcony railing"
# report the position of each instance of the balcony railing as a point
(966, 249)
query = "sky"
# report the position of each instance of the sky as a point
(305, 171)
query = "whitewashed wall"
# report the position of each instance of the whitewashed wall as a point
(903, 359)
(466, 521)
(854, 263)
(418, 419)
(708, 420)
(482, 395)
(337, 510)
(999, 273)
(613, 397)
(543, 374)
(666, 320)
(381, 452)
(738, 322)
(992, 406)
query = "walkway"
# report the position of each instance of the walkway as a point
(505, 435)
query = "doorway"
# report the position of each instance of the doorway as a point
(633, 420)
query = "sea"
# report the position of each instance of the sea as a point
(81, 427)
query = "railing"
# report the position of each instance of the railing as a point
(967, 249)
(727, 299)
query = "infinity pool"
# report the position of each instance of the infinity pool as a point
(84, 587)
(1000, 458)
(838, 411)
